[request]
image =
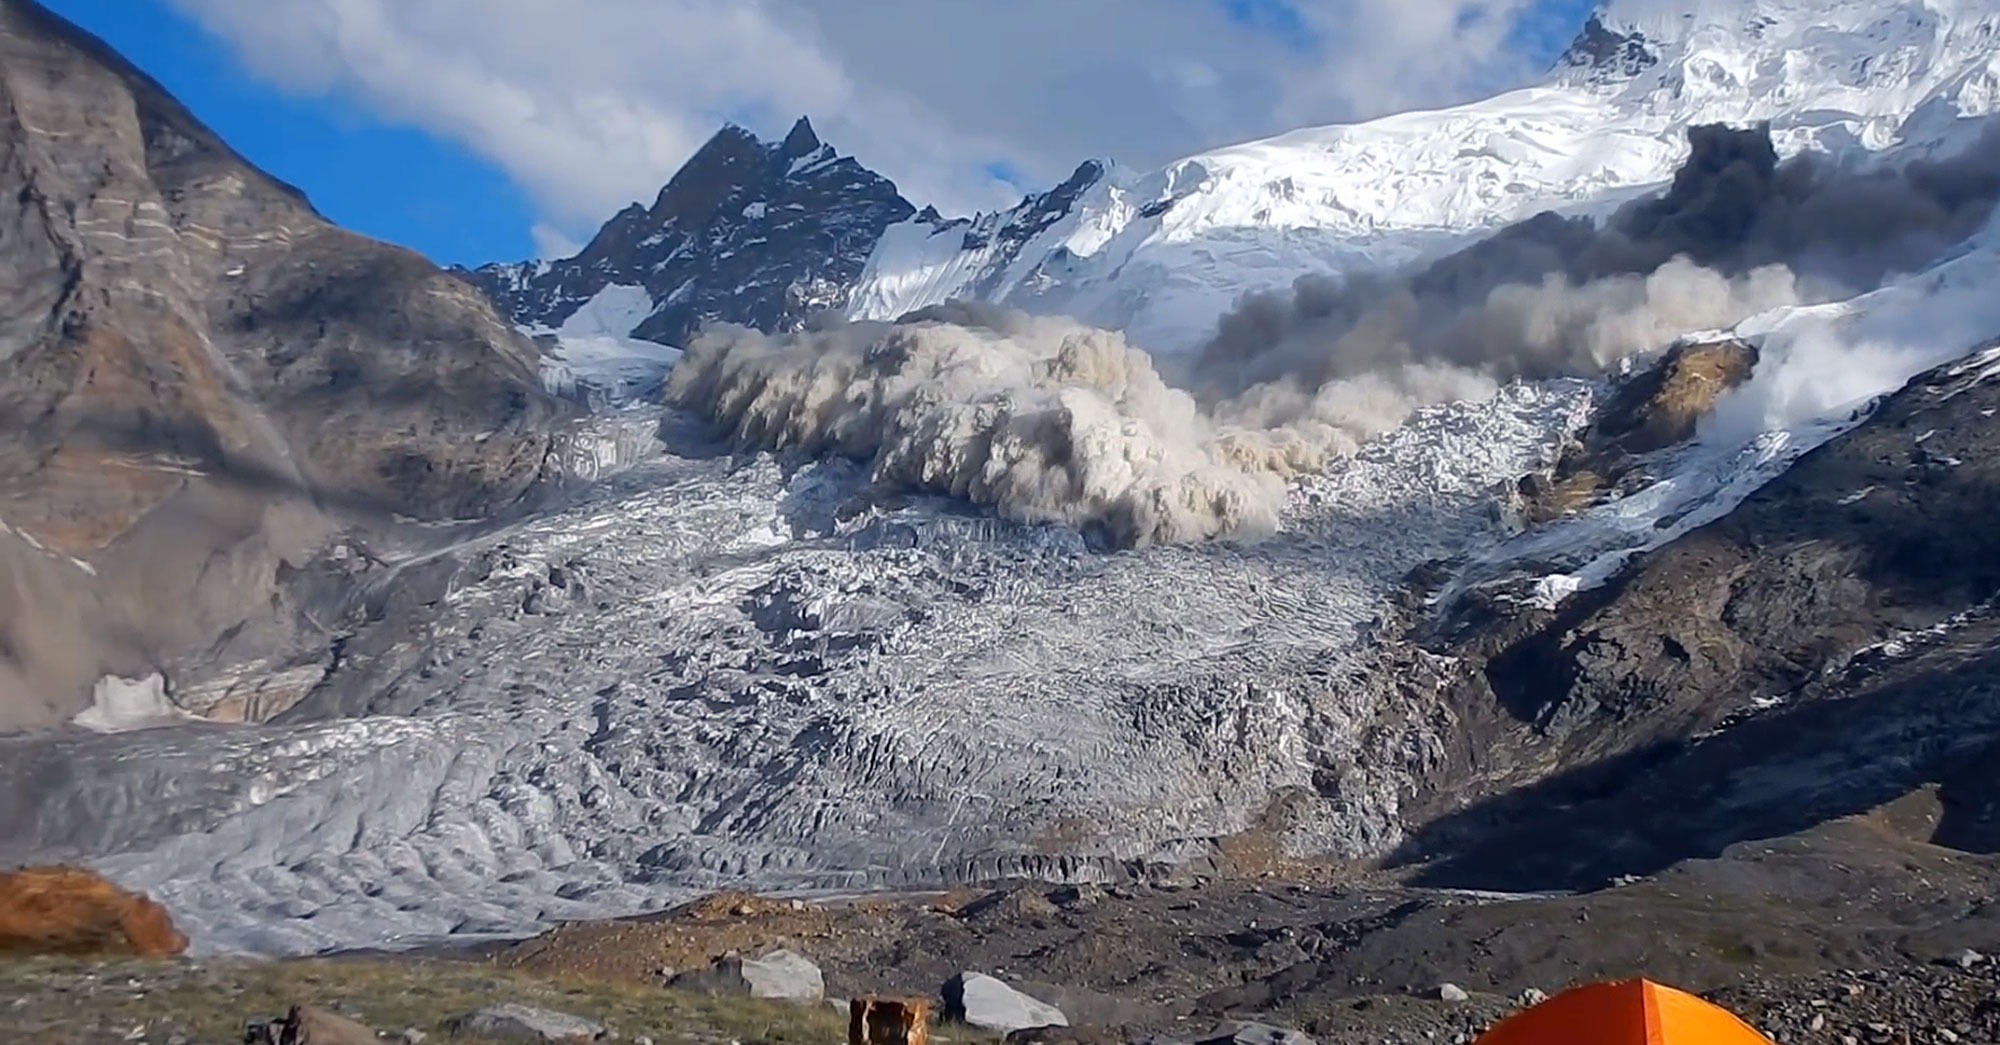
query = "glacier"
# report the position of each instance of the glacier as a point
(768, 674)
(711, 668)
(593, 356)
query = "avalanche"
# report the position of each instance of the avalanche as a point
(1160, 255)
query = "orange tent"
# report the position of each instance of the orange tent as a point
(1630, 1012)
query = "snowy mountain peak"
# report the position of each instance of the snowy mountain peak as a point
(747, 231)
(801, 141)
(1162, 254)
(1867, 62)
(1600, 54)
(987, 256)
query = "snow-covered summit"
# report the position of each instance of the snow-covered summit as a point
(764, 233)
(747, 231)
(1859, 68)
(1161, 254)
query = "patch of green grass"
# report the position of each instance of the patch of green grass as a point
(76, 1002)
(1731, 948)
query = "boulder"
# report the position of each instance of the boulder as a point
(525, 1023)
(1260, 1034)
(1649, 411)
(1075, 897)
(1661, 405)
(782, 974)
(979, 1000)
(1452, 992)
(68, 910)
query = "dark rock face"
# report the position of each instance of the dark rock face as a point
(1825, 647)
(1662, 406)
(1004, 233)
(747, 232)
(1876, 532)
(1603, 54)
(195, 370)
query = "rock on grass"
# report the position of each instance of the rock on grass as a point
(781, 975)
(979, 1000)
(525, 1023)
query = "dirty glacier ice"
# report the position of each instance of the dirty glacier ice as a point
(711, 670)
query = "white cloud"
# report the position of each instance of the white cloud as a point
(591, 104)
(1417, 53)
(552, 242)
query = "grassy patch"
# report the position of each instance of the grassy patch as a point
(1732, 948)
(75, 1002)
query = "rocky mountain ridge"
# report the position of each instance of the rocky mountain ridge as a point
(200, 379)
(1161, 254)
(1827, 647)
(750, 232)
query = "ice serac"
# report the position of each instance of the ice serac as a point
(198, 374)
(748, 231)
(987, 257)
(1161, 254)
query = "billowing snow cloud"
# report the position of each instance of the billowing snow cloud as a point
(1735, 234)
(1047, 420)
(591, 104)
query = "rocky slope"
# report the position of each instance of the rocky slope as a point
(1146, 963)
(751, 232)
(1825, 647)
(199, 376)
(352, 1002)
(1315, 953)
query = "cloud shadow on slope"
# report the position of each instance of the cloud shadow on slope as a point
(1934, 721)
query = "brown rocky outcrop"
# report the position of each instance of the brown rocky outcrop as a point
(1656, 408)
(66, 910)
(200, 378)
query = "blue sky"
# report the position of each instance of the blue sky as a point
(382, 158)
(441, 199)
